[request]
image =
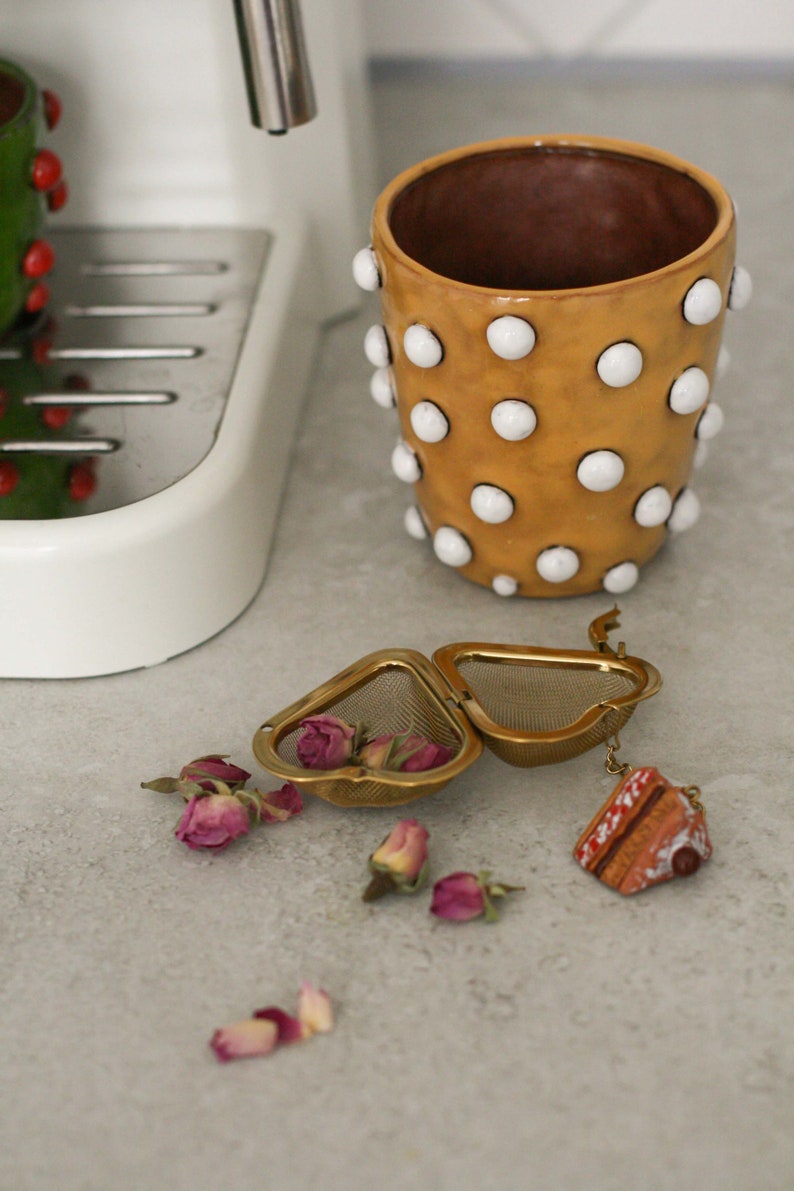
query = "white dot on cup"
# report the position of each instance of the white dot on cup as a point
(557, 564)
(620, 364)
(510, 337)
(422, 347)
(451, 547)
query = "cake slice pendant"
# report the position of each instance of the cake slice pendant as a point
(647, 832)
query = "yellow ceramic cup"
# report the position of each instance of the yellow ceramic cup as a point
(552, 313)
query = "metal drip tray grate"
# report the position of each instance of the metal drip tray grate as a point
(183, 356)
(145, 333)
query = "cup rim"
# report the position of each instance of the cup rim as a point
(27, 106)
(385, 202)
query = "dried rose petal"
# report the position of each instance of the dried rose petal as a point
(244, 1039)
(290, 1029)
(212, 821)
(281, 804)
(314, 1010)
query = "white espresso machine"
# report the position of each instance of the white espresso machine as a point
(218, 159)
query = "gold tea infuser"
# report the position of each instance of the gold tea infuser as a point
(529, 705)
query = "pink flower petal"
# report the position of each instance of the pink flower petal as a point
(289, 1028)
(244, 1039)
(314, 1009)
(281, 804)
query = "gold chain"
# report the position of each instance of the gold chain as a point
(614, 767)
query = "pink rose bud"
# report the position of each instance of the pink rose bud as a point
(404, 752)
(212, 773)
(244, 1039)
(326, 743)
(212, 821)
(281, 804)
(462, 896)
(400, 863)
(314, 1010)
(214, 768)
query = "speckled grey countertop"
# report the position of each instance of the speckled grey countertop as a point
(584, 1040)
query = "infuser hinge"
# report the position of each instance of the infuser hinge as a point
(599, 631)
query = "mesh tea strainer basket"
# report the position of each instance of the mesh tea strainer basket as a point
(531, 706)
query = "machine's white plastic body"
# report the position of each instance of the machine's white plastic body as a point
(156, 132)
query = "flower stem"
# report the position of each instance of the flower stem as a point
(379, 886)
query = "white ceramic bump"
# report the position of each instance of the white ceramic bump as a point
(504, 585)
(422, 347)
(365, 269)
(741, 290)
(376, 347)
(491, 504)
(710, 422)
(451, 547)
(686, 511)
(382, 389)
(621, 578)
(429, 422)
(689, 391)
(703, 302)
(513, 420)
(653, 507)
(600, 471)
(723, 361)
(701, 454)
(510, 337)
(405, 464)
(557, 564)
(620, 364)
(414, 524)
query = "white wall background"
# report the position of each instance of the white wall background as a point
(453, 29)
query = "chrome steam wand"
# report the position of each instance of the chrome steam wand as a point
(277, 75)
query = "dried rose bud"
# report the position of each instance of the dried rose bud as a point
(314, 1010)
(244, 1039)
(400, 863)
(404, 752)
(205, 770)
(327, 742)
(212, 821)
(462, 896)
(212, 773)
(281, 804)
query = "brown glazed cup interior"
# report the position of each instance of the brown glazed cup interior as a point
(550, 217)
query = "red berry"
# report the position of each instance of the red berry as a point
(82, 481)
(39, 259)
(55, 417)
(38, 297)
(9, 477)
(52, 108)
(40, 349)
(57, 197)
(47, 170)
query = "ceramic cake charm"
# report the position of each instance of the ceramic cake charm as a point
(647, 832)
